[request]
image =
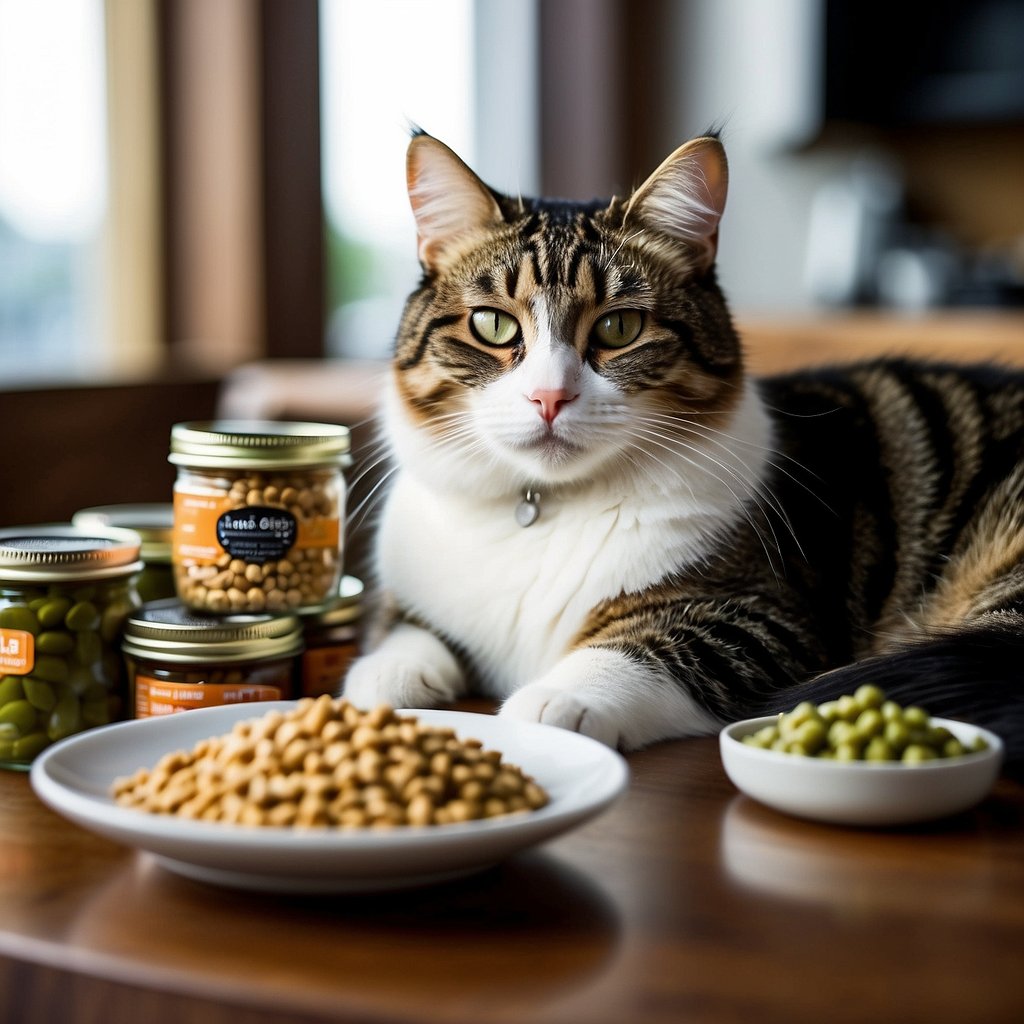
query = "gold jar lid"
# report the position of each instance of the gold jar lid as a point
(169, 631)
(258, 444)
(153, 522)
(55, 552)
(346, 607)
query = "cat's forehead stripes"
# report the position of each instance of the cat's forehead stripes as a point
(512, 279)
(562, 251)
(558, 319)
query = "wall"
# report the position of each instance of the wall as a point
(749, 66)
(71, 448)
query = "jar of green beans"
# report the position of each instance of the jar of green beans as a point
(65, 593)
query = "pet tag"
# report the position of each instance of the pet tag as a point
(528, 509)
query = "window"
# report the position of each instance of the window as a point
(53, 186)
(462, 70)
(115, 118)
(80, 273)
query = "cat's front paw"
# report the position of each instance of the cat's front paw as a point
(411, 669)
(577, 711)
(604, 694)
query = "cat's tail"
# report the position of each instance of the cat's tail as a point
(974, 674)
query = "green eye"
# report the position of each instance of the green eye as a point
(493, 327)
(619, 328)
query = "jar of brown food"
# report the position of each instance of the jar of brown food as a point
(331, 635)
(258, 514)
(179, 659)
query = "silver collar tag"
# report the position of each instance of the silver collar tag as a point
(528, 510)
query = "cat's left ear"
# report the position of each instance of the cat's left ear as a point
(685, 197)
(450, 203)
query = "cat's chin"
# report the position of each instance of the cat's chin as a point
(550, 455)
(553, 460)
(551, 449)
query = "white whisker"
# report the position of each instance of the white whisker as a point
(370, 500)
(751, 485)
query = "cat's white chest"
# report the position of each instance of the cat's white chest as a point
(513, 598)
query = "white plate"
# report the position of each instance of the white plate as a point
(860, 792)
(582, 777)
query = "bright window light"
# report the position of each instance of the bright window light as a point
(385, 65)
(53, 188)
(52, 118)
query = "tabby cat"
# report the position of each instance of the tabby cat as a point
(598, 518)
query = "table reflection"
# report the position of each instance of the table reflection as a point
(775, 855)
(558, 931)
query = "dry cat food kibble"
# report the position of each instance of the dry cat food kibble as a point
(304, 577)
(863, 726)
(326, 763)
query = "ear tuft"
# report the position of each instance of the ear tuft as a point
(450, 203)
(685, 197)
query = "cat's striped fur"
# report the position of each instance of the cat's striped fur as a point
(709, 547)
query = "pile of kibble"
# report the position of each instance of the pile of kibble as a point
(326, 763)
(862, 726)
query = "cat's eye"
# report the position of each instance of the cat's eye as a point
(619, 328)
(493, 327)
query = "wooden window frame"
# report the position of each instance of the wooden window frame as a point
(242, 214)
(604, 77)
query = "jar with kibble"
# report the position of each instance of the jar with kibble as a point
(258, 514)
(64, 596)
(179, 659)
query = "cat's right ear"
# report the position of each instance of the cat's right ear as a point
(685, 197)
(452, 206)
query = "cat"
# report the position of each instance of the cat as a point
(600, 519)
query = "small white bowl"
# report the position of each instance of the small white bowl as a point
(861, 792)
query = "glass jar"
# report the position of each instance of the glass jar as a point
(258, 514)
(154, 524)
(64, 596)
(179, 659)
(331, 640)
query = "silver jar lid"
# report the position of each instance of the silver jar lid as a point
(54, 552)
(169, 631)
(258, 444)
(153, 522)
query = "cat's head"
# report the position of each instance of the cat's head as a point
(552, 342)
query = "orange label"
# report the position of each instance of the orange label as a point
(159, 697)
(17, 652)
(318, 533)
(195, 527)
(323, 669)
(203, 531)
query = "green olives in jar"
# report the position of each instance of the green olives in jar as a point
(65, 594)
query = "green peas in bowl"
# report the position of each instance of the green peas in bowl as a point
(861, 760)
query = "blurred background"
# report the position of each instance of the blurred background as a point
(202, 199)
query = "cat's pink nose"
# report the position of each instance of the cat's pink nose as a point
(549, 401)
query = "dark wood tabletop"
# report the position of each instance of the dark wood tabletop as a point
(686, 901)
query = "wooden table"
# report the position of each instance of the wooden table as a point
(685, 902)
